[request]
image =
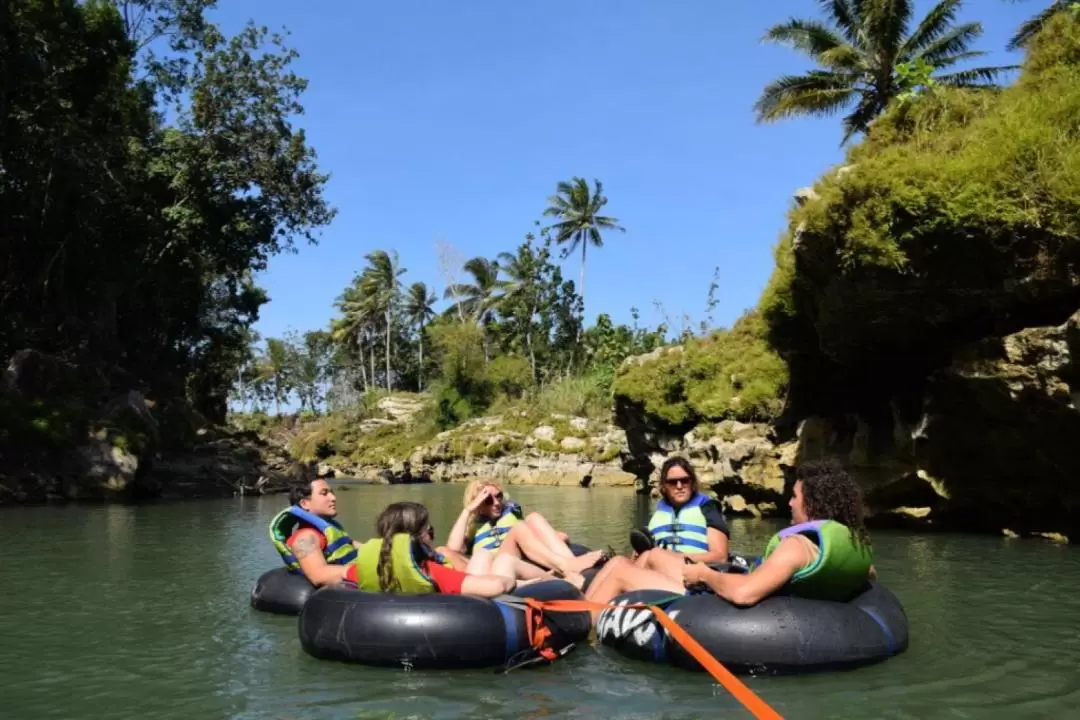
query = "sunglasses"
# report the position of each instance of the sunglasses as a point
(490, 499)
(430, 532)
(672, 482)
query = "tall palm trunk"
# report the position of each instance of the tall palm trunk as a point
(420, 366)
(243, 397)
(584, 244)
(387, 351)
(528, 341)
(371, 354)
(360, 353)
(581, 323)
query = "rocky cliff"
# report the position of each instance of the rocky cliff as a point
(98, 445)
(516, 447)
(924, 306)
(988, 445)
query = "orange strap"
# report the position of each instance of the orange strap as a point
(749, 699)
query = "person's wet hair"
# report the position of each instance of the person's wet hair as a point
(829, 493)
(299, 490)
(410, 518)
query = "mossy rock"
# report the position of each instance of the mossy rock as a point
(959, 218)
(731, 374)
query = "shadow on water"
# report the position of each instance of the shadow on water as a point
(142, 612)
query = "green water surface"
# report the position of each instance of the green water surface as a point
(142, 612)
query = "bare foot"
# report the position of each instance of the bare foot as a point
(584, 562)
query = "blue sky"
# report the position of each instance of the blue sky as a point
(453, 121)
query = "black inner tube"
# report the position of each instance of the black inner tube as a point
(281, 592)
(782, 634)
(428, 631)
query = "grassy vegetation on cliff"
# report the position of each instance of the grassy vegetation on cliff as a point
(367, 435)
(958, 216)
(733, 374)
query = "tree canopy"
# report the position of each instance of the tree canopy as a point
(150, 168)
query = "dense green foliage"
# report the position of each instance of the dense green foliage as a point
(1031, 28)
(149, 168)
(732, 374)
(959, 217)
(511, 333)
(141, 190)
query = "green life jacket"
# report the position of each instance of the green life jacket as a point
(490, 536)
(682, 531)
(407, 556)
(842, 566)
(339, 546)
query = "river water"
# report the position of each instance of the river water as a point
(142, 612)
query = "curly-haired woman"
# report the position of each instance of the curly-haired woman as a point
(824, 554)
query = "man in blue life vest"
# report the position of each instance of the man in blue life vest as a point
(308, 538)
(687, 526)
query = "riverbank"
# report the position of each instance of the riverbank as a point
(64, 444)
(922, 324)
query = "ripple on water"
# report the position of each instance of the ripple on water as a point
(145, 615)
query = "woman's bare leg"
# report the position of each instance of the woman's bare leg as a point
(523, 542)
(620, 575)
(527, 571)
(548, 535)
(665, 562)
(481, 562)
(505, 565)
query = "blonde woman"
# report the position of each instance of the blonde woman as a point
(490, 525)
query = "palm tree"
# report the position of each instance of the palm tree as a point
(867, 57)
(418, 310)
(579, 217)
(1032, 27)
(380, 281)
(356, 326)
(521, 281)
(478, 299)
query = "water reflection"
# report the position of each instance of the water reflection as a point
(144, 613)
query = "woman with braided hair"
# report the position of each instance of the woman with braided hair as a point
(403, 559)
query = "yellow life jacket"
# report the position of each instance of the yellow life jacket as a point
(339, 546)
(407, 556)
(490, 536)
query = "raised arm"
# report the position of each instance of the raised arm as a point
(459, 533)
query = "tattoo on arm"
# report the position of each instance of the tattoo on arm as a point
(305, 545)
